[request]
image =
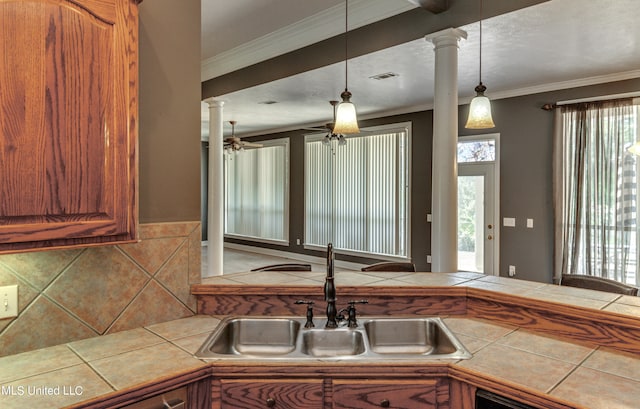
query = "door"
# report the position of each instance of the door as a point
(477, 208)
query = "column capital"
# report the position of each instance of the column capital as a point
(214, 103)
(446, 37)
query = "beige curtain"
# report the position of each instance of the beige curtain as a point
(594, 190)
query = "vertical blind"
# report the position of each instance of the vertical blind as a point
(256, 192)
(357, 194)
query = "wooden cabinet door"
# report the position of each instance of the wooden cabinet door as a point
(68, 122)
(278, 394)
(370, 394)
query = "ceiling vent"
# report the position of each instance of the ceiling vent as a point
(384, 76)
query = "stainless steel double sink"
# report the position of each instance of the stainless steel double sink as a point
(374, 338)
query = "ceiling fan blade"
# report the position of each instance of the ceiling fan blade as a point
(251, 145)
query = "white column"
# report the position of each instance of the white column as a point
(215, 208)
(444, 194)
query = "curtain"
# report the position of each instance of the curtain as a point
(594, 190)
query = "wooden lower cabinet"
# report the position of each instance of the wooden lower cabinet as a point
(330, 393)
(279, 394)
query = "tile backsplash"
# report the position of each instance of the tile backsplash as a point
(68, 295)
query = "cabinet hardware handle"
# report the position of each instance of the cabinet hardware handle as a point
(385, 403)
(271, 402)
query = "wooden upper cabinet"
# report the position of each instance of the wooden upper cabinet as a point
(68, 123)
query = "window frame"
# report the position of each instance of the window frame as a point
(286, 143)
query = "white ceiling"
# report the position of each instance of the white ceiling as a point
(553, 45)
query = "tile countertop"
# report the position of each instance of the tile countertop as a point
(62, 375)
(588, 376)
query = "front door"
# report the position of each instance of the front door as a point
(477, 210)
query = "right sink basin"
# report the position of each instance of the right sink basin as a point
(412, 336)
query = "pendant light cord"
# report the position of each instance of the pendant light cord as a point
(346, 53)
(480, 70)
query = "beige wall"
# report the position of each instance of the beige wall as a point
(74, 294)
(169, 110)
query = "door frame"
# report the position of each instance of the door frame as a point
(496, 193)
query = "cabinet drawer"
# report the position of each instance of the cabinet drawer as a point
(372, 394)
(278, 394)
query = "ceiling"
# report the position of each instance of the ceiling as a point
(553, 45)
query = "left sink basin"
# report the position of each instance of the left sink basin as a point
(252, 336)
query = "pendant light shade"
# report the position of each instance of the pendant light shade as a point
(346, 117)
(480, 107)
(346, 121)
(480, 111)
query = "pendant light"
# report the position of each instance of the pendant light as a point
(346, 119)
(480, 107)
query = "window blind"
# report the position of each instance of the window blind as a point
(357, 194)
(257, 191)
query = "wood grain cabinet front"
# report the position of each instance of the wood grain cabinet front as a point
(396, 394)
(68, 123)
(278, 394)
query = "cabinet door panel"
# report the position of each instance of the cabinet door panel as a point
(384, 394)
(281, 394)
(67, 123)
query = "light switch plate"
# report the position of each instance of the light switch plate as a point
(8, 301)
(509, 222)
(530, 223)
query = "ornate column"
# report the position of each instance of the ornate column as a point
(215, 204)
(444, 194)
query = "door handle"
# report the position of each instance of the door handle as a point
(490, 237)
(490, 226)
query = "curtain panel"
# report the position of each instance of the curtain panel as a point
(594, 189)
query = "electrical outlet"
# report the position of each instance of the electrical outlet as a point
(429, 259)
(298, 242)
(512, 271)
(9, 301)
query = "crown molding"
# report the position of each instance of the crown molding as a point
(555, 86)
(320, 26)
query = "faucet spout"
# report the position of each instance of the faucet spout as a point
(330, 290)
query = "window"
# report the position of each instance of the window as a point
(480, 150)
(257, 193)
(596, 190)
(357, 195)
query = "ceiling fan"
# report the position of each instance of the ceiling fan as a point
(235, 144)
